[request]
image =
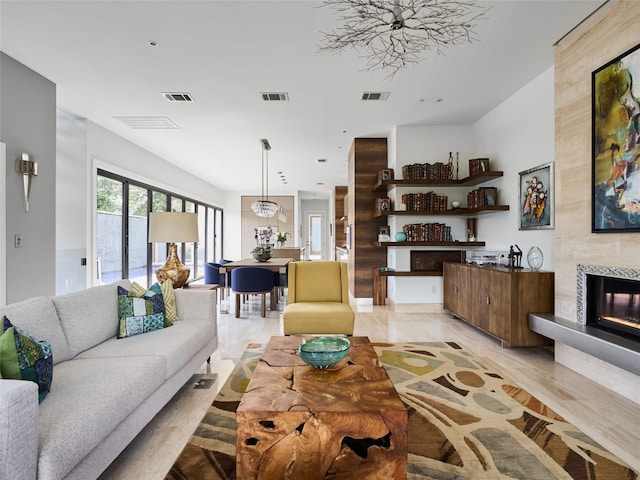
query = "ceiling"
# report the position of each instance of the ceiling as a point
(225, 53)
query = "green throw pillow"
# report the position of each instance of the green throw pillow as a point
(23, 357)
(139, 314)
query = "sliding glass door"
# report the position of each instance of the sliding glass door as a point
(122, 217)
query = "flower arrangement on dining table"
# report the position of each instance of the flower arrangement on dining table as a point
(262, 250)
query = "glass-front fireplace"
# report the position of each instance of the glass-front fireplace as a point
(614, 304)
(610, 299)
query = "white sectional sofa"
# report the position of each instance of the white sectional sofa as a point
(104, 390)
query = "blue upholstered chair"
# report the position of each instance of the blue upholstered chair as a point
(252, 281)
(212, 274)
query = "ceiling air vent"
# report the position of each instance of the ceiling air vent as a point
(178, 96)
(275, 96)
(148, 123)
(375, 95)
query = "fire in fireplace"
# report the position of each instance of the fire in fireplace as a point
(613, 304)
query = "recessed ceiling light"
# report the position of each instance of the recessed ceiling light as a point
(322, 160)
(153, 43)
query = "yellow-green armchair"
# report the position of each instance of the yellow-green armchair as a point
(318, 299)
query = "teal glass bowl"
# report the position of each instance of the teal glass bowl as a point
(324, 352)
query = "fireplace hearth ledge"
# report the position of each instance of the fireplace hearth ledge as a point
(611, 348)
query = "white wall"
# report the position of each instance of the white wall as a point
(111, 152)
(420, 144)
(517, 135)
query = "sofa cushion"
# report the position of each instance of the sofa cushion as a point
(176, 344)
(318, 317)
(139, 314)
(90, 316)
(23, 357)
(38, 316)
(101, 395)
(318, 282)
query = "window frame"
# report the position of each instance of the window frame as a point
(184, 201)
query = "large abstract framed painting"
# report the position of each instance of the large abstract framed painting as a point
(616, 145)
(536, 198)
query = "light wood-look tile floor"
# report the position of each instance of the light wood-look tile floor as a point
(609, 418)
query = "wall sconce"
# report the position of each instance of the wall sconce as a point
(28, 168)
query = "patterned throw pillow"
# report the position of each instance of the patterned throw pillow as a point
(139, 314)
(169, 295)
(23, 357)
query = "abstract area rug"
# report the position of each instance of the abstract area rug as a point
(466, 421)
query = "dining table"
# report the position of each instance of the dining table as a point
(274, 263)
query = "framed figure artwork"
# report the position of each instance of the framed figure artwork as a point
(615, 183)
(536, 198)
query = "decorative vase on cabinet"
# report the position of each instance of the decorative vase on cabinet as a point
(535, 258)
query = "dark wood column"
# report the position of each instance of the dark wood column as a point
(338, 196)
(366, 157)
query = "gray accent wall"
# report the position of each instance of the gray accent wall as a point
(28, 124)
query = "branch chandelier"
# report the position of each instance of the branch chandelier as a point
(264, 207)
(394, 34)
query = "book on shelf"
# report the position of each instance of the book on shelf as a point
(429, 201)
(482, 197)
(428, 171)
(427, 232)
(478, 165)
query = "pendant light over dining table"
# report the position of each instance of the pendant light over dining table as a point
(264, 207)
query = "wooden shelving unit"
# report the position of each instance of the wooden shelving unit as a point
(383, 185)
(461, 212)
(428, 244)
(411, 274)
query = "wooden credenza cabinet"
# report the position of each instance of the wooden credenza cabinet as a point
(498, 300)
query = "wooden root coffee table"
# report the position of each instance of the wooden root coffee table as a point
(297, 422)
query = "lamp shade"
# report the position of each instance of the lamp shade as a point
(173, 227)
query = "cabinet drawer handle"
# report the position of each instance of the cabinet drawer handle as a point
(456, 288)
(488, 301)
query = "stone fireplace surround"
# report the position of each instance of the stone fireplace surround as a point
(615, 349)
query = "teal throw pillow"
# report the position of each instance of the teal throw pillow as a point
(23, 357)
(139, 314)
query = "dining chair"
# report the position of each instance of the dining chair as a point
(252, 281)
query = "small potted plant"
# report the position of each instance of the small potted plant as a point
(282, 238)
(262, 253)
